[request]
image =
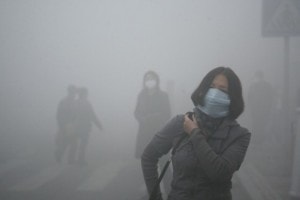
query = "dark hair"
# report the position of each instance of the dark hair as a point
(152, 74)
(236, 106)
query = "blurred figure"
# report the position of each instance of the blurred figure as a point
(152, 112)
(85, 118)
(65, 117)
(295, 175)
(261, 101)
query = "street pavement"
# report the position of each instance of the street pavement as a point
(116, 175)
(117, 178)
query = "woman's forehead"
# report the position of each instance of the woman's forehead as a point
(220, 80)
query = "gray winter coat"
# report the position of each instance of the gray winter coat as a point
(203, 168)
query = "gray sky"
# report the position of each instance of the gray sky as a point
(107, 46)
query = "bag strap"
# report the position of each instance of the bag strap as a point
(154, 191)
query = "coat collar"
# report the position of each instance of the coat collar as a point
(223, 131)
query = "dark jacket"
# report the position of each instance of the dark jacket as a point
(203, 168)
(66, 113)
(85, 117)
(152, 113)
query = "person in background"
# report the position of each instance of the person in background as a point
(65, 117)
(261, 99)
(295, 175)
(213, 144)
(85, 118)
(152, 111)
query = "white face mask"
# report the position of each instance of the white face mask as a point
(150, 84)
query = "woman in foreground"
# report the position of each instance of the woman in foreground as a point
(213, 144)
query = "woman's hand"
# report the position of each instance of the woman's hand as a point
(189, 125)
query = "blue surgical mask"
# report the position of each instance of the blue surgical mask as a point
(216, 103)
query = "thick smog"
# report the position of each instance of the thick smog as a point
(94, 96)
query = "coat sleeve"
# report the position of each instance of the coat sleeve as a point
(159, 145)
(60, 115)
(220, 167)
(96, 120)
(139, 112)
(166, 107)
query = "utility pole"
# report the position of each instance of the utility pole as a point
(281, 18)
